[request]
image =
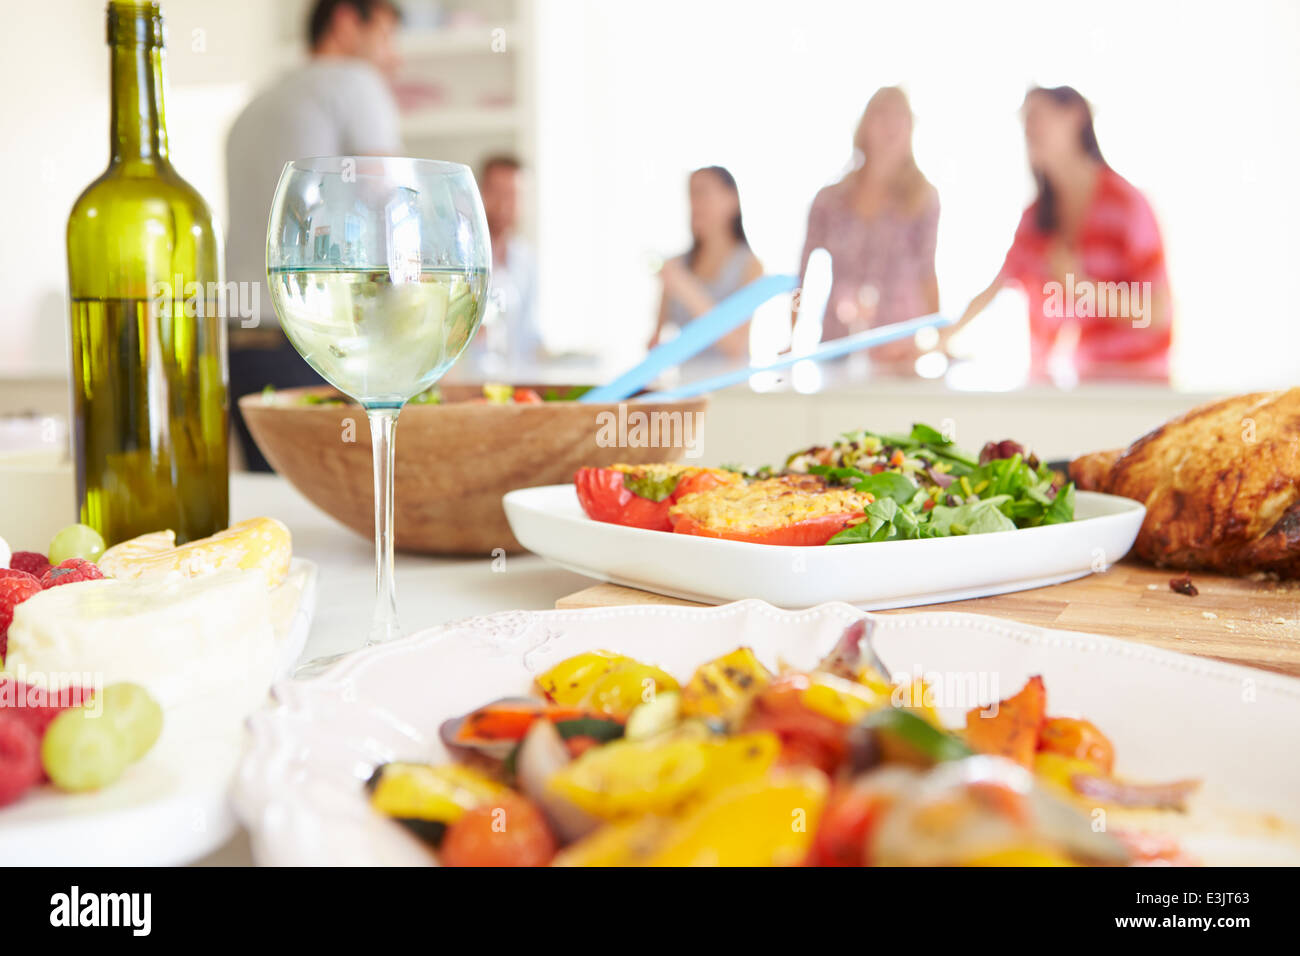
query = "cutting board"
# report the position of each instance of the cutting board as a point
(1243, 621)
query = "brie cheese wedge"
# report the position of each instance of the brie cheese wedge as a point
(205, 640)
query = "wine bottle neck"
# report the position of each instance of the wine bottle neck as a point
(138, 130)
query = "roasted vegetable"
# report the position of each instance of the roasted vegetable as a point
(807, 736)
(541, 755)
(983, 811)
(628, 842)
(508, 720)
(1152, 796)
(840, 765)
(854, 655)
(602, 683)
(1011, 729)
(630, 777)
(1056, 770)
(655, 716)
(569, 681)
(852, 810)
(1071, 737)
(767, 821)
(907, 738)
(798, 510)
(626, 686)
(506, 831)
(1077, 777)
(723, 688)
(639, 496)
(427, 799)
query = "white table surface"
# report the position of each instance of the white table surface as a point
(430, 590)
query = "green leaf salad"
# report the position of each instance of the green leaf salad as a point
(926, 487)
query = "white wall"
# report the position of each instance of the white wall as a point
(54, 73)
(1196, 103)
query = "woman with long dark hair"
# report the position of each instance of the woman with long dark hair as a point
(718, 263)
(1087, 254)
(879, 224)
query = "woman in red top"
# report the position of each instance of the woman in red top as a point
(1087, 253)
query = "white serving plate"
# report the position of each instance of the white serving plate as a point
(173, 806)
(300, 787)
(549, 521)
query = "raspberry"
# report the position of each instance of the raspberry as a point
(70, 571)
(20, 759)
(35, 706)
(33, 562)
(15, 588)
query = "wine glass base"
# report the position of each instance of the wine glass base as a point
(318, 666)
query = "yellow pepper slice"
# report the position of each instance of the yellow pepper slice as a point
(569, 681)
(441, 794)
(1055, 770)
(622, 843)
(626, 686)
(843, 701)
(723, 688)
(630, 777)
(765, 822)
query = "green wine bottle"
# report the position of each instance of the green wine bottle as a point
(149, 376)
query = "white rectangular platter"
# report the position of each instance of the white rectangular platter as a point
(549, 521)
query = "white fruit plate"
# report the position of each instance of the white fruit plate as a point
(173, 806)
(549, 521)
(300, 788)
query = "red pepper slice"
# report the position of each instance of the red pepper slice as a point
(510, 720)
(604, 497)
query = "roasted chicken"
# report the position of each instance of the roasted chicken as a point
(1221, 485)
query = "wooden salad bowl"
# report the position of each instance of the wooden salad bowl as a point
(455, 460)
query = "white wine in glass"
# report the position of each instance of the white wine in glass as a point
(378, 269)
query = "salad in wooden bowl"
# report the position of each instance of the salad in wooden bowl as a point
(462, 447)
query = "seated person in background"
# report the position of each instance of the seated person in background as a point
(718, 263)
(336, 104)
(879, 224)
(1087, 253)
(510, 333)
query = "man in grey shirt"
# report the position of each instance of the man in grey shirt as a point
(339, 103)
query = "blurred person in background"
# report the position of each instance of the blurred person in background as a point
(339, 103)
(510, 337)
(718, 263)
(1087, 253)
(879, 224)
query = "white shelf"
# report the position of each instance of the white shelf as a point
(451, 121)
(459, 41)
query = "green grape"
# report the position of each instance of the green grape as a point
(134, 716)
(83, 751)
(76, 541)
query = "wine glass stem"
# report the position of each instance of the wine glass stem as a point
(383, 429)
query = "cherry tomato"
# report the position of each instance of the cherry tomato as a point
(807, 737)
(851, 813)
(508, 831)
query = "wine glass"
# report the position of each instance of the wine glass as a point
(378, 268)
